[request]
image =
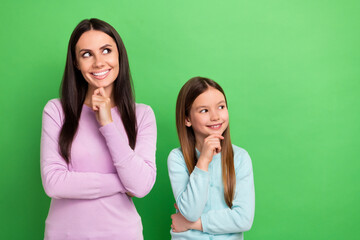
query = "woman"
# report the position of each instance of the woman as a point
(97, 145)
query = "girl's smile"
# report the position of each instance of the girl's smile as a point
(215, 126)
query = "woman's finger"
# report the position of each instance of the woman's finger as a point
(102, 92)
(96, 92)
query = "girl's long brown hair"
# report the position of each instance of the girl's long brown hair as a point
(187, 95)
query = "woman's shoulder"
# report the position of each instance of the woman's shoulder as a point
(144, 113)
(143, 109)
(53, 107)
(53, 103)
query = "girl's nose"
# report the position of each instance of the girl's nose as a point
(214, 116)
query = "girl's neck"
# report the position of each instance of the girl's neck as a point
(199, 143)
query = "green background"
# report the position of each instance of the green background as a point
(291, 72)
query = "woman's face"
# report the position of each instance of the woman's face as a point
(97, 58)
(208, 114)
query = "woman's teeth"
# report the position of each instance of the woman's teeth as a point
(100, 73)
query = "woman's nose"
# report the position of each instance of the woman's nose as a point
(98, 61)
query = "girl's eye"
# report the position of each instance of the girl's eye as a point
(106, 51)
(222, 107)
(86, 55)
(203, 111)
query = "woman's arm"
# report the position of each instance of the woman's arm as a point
(190, 192)
(136, 168)
(57, 180)
(240, 217)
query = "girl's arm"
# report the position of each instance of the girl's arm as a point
(57, 180)
(136, 168)
(190, 193)
(240, 217)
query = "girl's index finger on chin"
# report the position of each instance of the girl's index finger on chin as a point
(216, 136)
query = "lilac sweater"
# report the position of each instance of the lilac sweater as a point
(89, 198)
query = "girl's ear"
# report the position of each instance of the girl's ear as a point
(187, 122)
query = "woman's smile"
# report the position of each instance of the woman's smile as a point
(101, 75)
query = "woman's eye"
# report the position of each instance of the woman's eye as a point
(86, 55)
(106, 51)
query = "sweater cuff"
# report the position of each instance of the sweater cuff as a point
(109, 130)
(204, 222)
(117, 143)
(200, 172)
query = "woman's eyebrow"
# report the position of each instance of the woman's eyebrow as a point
(105, 46)
(102, 47)
(84, 50)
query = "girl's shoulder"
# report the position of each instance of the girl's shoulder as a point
(176, 154)
(241, 157)
(176, 160)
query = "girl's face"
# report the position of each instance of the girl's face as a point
(208, 114)
(97, 58)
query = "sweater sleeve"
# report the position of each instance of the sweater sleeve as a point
(57, 180)
(240, 217)
(190, 192)
(136, 168)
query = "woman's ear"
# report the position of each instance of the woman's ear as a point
(187, 122)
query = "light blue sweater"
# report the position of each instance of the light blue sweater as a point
(201, 195)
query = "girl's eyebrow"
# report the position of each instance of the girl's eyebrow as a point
(102, 47)
(205, 106)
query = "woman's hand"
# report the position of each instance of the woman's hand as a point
(210, 147)
(101, 105)
(181, 224)
(129, 194)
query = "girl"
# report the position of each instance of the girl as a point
(97, 145)
(212, 180)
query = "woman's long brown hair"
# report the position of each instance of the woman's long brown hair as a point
(187, 95)
(74, 88)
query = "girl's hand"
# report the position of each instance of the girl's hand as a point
(181, 224)
(101, 105)
(210, 147)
